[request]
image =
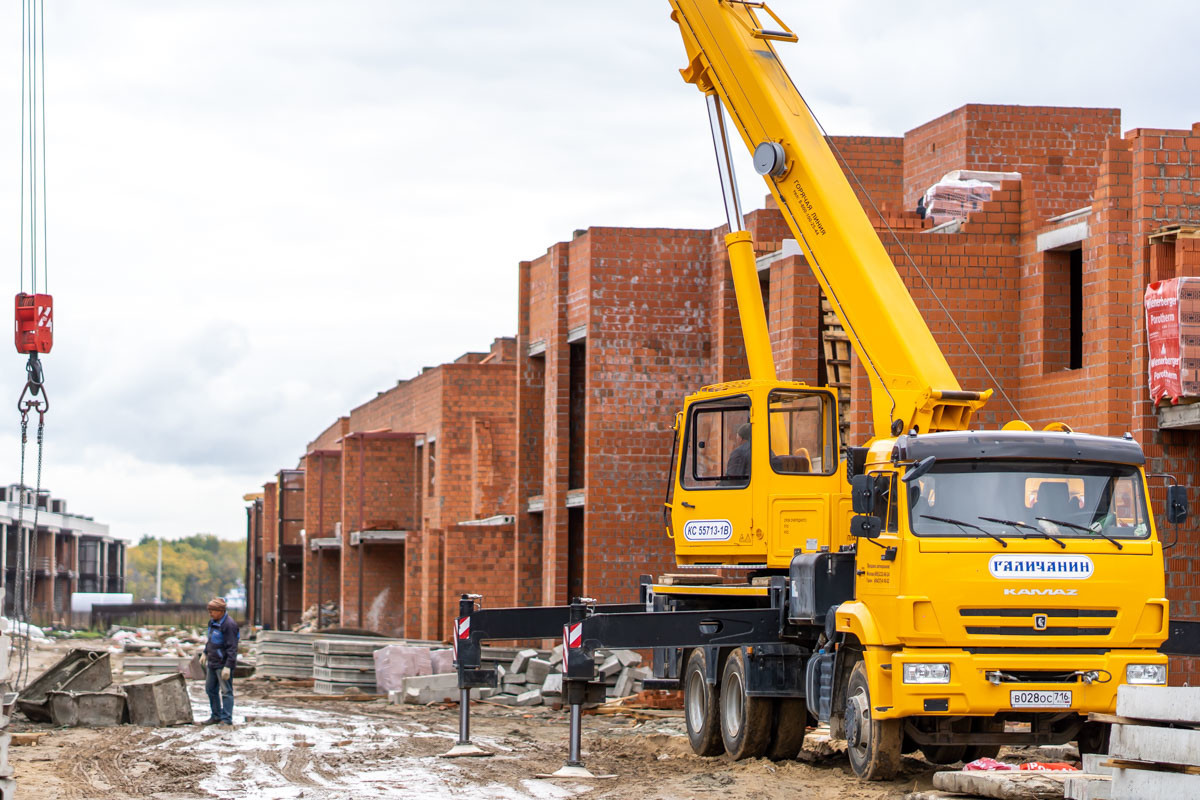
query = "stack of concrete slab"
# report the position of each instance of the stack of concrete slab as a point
(1154, 749)
(344, 665)
(284, 654)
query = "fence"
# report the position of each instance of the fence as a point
(138, 614)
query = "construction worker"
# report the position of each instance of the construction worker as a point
(220, 656)
(738, 467)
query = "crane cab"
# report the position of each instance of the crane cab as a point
(757, 475)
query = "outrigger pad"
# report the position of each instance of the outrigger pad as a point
(574, 772)
(465, 751)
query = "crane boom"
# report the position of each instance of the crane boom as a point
(730, 55)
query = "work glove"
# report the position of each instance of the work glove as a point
(203, 660)
(226, 674)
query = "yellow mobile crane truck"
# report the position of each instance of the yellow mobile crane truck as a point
(940, 587)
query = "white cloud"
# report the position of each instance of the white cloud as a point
(261, 213)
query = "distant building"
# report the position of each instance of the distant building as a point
(69, 553)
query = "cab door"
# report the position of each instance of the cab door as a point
(712, 508)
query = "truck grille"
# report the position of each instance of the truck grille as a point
(1094, 621)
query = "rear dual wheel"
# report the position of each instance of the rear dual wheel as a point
(745, 720)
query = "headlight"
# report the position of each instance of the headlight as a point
(927, 673)
(1154, 674)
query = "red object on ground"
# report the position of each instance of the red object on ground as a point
(34, 325)
(987, 765)
(1048, 766)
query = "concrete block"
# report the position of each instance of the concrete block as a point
(609, 668)
(425, 689)
(87, 709)
(1142, 784)
(1091, 764)
(159, 701)
(501, 672)
(1159, 703)
(514, 681)
(1088, 787)
(441, 661)
(531, 698)
(482, 692)
(522, 658)
(556, 655)
(624, 686)
(610, 692)
(395, 697)
(1004, 785)
(641, 673)
(536, 670)
(628, 658)
(1150, 743)
(552, 687)
(8, 789)
(504, 699)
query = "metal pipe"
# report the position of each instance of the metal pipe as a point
(576, 735)
(464, 716)
(729, 190)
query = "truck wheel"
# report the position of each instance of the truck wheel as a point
(701, 710)
(745, 721)
(790, 725)
(1093, 737)
(873, 745)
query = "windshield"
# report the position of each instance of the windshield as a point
(1028, 498)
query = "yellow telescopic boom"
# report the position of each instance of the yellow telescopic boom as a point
(730, 56)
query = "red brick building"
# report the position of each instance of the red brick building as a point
(616, 325)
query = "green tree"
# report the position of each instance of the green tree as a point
(194, 569)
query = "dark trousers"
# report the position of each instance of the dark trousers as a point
(220, 695)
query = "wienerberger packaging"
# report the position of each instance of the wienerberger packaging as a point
(1173, 334)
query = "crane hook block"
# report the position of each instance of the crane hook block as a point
(34, 326)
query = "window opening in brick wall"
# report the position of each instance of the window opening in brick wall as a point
(574, 553)
(431, 467)
(1062, 310)
(419, 493)
(764, 286)
(1076, 277)
(576, 416)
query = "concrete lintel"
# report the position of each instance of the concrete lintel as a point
(498, 519)
(377, 537)
(1179, 418)
(949, 226)
(537, 348)
(789, 247)
(577, 334)
(1063, 238)
(1079, 212)
(537, 504)
(325, 543)
(576, 498)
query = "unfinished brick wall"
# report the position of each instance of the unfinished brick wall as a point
(322, 512)
(467, 547)
(270, 546)
(379, 485)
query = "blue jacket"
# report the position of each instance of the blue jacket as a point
(222, 646)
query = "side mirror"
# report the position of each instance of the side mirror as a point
(919, 469)
(1177, 504)
(862, 494)
(866, 526)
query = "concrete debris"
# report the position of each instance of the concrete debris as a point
(426, 689)
(609, 668)
(537, 670)
(522, 658)
(556, 655)
(158, 701)
(531, 698)
(628, 658)
(87, 709)
(329, 616)
(624, 685)
(553, 685)
(1008, 785)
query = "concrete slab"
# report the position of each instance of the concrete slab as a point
(531, 698)
(556, 655)
(425, 689)
(624, 686)
(1091, 764)
(610, 668)
(1141, 784)
(516, 682)
(159, 701)
(552, 686)
(628, 658)
(1160, 703)
(1004, 785)
(1151, 743)
(536, 670)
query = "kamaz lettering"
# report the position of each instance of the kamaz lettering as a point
(1041, 592)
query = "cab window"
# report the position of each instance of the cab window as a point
(716, 452)
(801, 430)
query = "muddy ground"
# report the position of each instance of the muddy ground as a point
(283, 748)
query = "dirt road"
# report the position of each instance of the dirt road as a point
(283, 749)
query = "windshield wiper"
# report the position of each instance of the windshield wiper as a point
(1082, 528)
(965, 525)
(1016, 524)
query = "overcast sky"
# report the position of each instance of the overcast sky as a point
(261, 213)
